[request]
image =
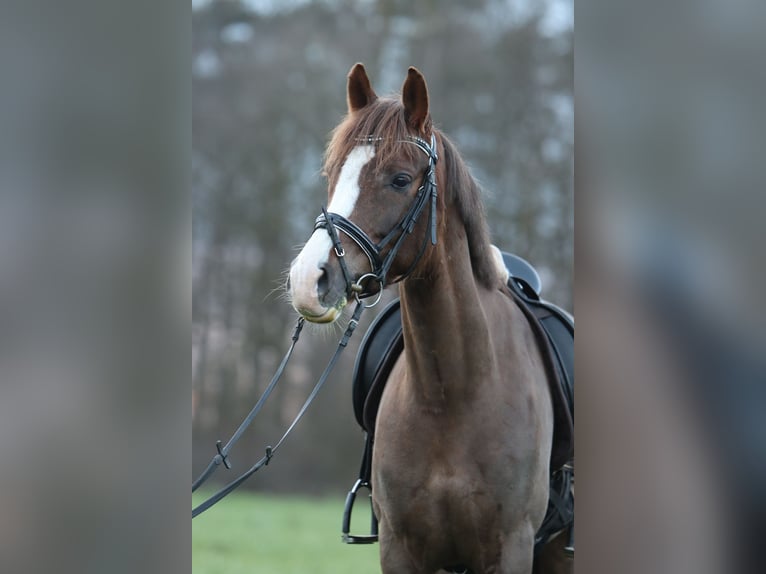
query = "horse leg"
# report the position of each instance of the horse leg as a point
(552, 558)
(398, 554)
(395, 559)
(517, 553)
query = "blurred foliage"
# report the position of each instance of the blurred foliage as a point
(268, 84)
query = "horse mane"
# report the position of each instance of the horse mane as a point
(384, 118)
(464, 191)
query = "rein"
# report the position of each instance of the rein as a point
(223, 452)
(332, 222)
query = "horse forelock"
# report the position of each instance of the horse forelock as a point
(384, 121)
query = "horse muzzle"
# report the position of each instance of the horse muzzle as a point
(316, 285)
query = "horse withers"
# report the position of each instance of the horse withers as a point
(464, 430)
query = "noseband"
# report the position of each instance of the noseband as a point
(379, 265)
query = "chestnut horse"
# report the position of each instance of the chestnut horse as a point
(463, 437)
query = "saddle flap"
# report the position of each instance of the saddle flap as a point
(554, 332)
(381, 346)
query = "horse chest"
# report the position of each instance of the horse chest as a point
(437, 464)
(412, 500)
(426, 472)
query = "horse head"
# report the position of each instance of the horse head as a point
(380, 167)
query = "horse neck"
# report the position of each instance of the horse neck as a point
(446, 332)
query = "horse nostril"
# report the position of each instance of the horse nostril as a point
(323, 283)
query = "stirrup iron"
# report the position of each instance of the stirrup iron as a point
(350, 499)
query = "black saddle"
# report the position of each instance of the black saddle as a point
(554, 328)
(522, 270)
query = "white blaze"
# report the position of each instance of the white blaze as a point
(347, 188)
(305, 270)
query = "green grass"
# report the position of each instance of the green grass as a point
(265, 534)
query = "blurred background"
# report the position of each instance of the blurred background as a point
(670, 179)
(98, 159)
(670, 355)
(268, 85)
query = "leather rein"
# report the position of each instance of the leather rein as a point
(379, 265)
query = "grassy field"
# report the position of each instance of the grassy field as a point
(259, 534)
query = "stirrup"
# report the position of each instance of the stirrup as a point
(358, 538)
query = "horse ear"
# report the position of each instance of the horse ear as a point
(360, 92)
(415, 100)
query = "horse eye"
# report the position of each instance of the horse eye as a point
(401, 181)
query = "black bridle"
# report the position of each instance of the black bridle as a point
(379, 265)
